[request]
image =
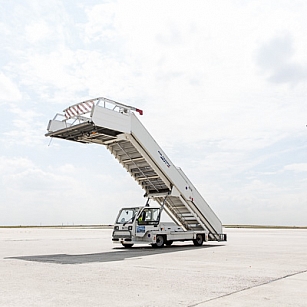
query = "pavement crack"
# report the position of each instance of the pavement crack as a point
(248, 288)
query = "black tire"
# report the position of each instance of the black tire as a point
(169, 243)
(159, 241)
(198, 241)
(127, 245)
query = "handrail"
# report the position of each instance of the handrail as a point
(86, 106)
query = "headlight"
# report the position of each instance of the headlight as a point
(116, 227)
(130, 228)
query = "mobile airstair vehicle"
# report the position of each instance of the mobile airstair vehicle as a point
(115, 125)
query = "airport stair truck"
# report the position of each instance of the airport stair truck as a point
(115, 125)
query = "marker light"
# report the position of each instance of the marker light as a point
(139, 111)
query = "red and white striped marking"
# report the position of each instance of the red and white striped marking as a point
(79, 109)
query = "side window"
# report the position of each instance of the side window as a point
(154, 215)
(149, 216)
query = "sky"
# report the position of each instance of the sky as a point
(223, 89)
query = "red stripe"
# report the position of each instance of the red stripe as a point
(69, 112)
(81, 108)
(75, 110)
(88, 105)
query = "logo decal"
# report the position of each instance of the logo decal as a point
(140, 229)
(163, 159)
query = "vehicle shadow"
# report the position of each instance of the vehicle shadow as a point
(118, 254)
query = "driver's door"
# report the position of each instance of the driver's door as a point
(148, 219)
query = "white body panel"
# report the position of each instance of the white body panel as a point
(55, 125)
(103, 117)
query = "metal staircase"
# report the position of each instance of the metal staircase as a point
(106, 122)
(136, 164)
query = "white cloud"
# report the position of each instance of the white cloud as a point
(25, 129)
(276, 56)
(9, 91)
(37, 31)
(68, 193)
(296, 167)
(183, 67)
(51, 70)
(8, 165)
(101, 22)
(222, 85)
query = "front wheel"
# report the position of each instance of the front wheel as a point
(198, 241)
(159, 241)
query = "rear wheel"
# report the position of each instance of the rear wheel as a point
(159, 241)
(127, 245)
(198, 241)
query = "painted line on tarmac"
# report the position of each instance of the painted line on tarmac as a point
(248, 288)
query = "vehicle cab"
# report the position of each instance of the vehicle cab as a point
(136, 225)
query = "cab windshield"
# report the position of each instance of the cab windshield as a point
(127, 215)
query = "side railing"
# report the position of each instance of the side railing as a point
(86, 106)
(81, 112)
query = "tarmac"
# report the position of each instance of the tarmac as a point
(82, 267)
